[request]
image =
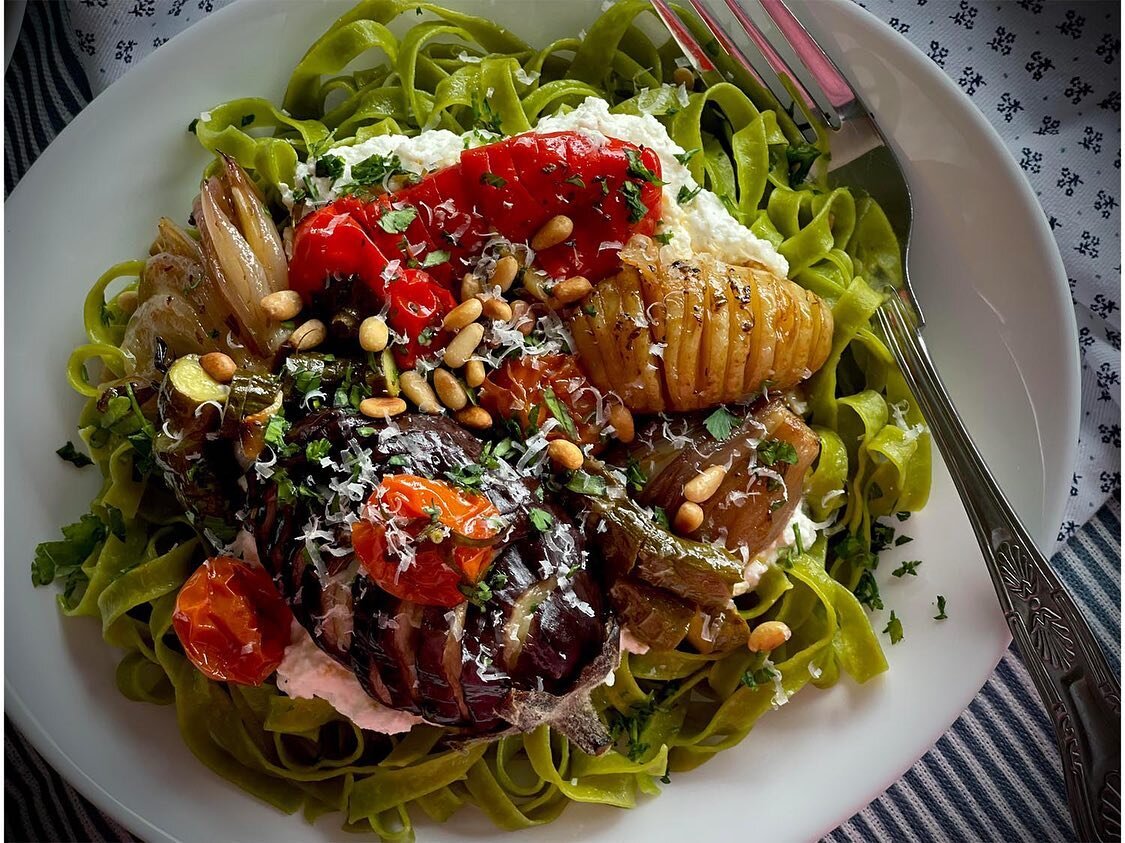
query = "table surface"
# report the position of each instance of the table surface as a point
(1046, 74)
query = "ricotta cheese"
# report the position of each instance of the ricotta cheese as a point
(756, 566)
(306, 672)
(699, 225)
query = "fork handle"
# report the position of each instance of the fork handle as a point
(1081, 694)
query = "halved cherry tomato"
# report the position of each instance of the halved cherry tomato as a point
(231, 621)
(516, 390)
(418, 505)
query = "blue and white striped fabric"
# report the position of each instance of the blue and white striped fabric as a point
(1046, 74)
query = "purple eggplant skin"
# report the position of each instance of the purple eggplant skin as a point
(543, 623)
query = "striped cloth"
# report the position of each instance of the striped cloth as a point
(994, 776)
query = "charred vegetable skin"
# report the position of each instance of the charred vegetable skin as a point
(540, 622)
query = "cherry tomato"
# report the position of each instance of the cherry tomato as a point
(231, 621)
(420, 507)
(516, 390)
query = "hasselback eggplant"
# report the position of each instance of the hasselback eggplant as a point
(523, 646)
(695, 334)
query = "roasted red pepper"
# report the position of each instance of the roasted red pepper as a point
(610, 189)
(417, 306)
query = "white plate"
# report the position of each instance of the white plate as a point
(1000, 326)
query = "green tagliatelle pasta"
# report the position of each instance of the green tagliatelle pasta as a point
(673, 710)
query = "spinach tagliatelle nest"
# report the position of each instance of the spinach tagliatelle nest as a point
(668, 711)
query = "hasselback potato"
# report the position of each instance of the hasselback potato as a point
(694, 334)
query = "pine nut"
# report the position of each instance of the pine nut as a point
(308, 335)
(565, 455)
(522, 319)
(689, 518)
(382, 408)
(476, 418)
(449, 390)
(470, 286)
(768, 636)
(282, 305)
(474, 373)
(622, 421)
(373, 334)
(701, 487)
(465, 313)
(418, 390)
(497, 309)
(507, 268)
(683, 76)
(127, 302)
(554, 231)
(219, 366)
(571, 290)
(462, 346)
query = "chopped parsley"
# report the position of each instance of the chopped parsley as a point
(635, 475)
(493, 180)
(276, 429)
(721, 424)
(664, 237)
(435, 258)
(586, 484)
(660, 518)
(901, 540)
(575, 180)
(902, 516)
(684, 157)
(317, 449)
(941, 615)
(467, 477)
(867, 591)
(245, 120)
(375, 169)
(773, 451)
(306, 381)
(894, 629)
(191, 126)
(62, 560)
(398, 460)
(800, 158)
(638, 168)
(686, 194)
(72, 455)
(632, 194)
(330, 167)
(905, 568)
(560, 412)
(366, 431)
(398, 220)
(541, 519)
(757, 678)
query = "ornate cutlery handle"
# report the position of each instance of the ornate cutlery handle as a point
(1068, 668)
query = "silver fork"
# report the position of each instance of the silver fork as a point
(765, 41)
